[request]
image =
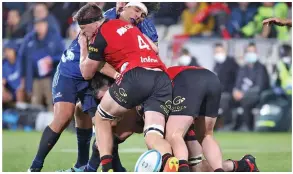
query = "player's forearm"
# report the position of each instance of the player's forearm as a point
(288, 22)
(108, 70)
(85, 67)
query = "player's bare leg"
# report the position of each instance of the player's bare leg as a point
(63, 112)
(107, 111)
(175, 135)
(204, 128)
(154, 138)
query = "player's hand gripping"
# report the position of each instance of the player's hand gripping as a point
(82, 40)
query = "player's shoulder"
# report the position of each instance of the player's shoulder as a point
(111, 13)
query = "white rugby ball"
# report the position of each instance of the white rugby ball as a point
(150, 161)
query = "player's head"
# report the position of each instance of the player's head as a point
(136, 12)
(89, 18)
(100, 84)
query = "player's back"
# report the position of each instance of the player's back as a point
(127, 47)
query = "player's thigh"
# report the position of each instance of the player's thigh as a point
(211, 102)
(63, 113)
(158, 105)
(210, 106)
(82, 119)
(64, 97)
(175, 130)
(188, 93)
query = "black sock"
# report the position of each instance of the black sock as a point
(107, 163)
(48, 140)
(165, 158)
(94, 161)
(219, 170)
(117, 166)
(183, 166)
(84, 137)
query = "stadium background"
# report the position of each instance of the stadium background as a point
(23, 121)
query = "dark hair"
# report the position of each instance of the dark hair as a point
(218, 45)
(251, 44)
(89, 13)
(100, 80)
(184, 51)
(285, 50)
(152, 7)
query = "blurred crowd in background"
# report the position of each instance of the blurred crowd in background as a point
(36, 34)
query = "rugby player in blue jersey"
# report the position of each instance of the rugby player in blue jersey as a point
(69, 86)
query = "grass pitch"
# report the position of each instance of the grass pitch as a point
(273, 151)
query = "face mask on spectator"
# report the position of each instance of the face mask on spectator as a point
(287, 60)
(220, 57)
(250, 57)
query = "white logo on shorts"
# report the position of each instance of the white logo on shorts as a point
(58, 95)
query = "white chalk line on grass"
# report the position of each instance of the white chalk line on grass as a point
(142, 150)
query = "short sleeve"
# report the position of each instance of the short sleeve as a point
(96, 48)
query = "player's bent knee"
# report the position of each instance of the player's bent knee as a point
(105, 115)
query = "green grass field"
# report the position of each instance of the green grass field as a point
(272, 150)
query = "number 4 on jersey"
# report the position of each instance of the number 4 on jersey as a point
(142, 44)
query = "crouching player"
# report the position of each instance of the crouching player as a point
(200, 100)
(133, 122)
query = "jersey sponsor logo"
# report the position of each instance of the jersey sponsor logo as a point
(124, 29)
(148, 60)
(92, 49)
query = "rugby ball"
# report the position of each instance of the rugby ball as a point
(150, 161)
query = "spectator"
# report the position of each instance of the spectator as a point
(226, 69)
(63, 11)
(186, 59)
(240, 16)
(284, 71)
(193, 28)
(169, 13)
(252, 79)
(13, 30)
(41, 11)
(267, 10)
(13, 91)
(39, 51)
(19, 6)
(73, 31)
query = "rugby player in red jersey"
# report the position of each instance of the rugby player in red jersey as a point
(133, 122)
(143, 80)
(196, 94)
